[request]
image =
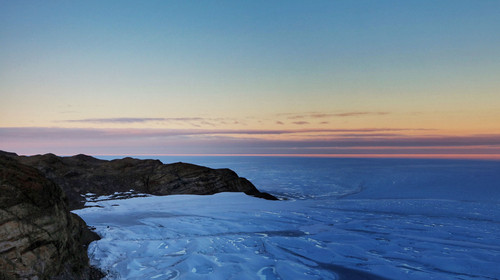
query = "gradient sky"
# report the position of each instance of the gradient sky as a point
(250, 77)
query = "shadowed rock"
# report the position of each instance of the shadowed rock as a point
(82, 174)
(39, 237)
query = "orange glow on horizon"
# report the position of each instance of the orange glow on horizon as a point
(411, 156)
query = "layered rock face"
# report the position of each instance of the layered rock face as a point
(82, 174)
(39, 237)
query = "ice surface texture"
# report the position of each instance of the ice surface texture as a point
(344, 219)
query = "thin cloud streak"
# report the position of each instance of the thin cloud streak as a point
(213, 122)
(314, 115)
(350, 114)
(194, 121)
(368, 141)
(34, 140)
(9, 132)
(115, 120)
(135, 120)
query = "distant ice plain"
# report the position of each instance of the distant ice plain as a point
(343, 219)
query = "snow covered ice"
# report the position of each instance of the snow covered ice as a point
(343, 219)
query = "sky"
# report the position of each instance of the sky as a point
(324, 78)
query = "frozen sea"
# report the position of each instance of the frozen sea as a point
(339, 219)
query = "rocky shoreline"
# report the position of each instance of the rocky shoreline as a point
(41, 239)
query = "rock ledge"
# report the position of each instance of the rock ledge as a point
(82, 174)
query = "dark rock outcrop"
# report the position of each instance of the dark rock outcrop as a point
(39, 237)
(82, 174)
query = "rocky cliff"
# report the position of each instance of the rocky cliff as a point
(81, 174)
(39, 237)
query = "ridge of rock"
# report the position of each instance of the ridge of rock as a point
(39, 237)
(82, 174)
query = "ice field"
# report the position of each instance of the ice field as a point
(340, 219)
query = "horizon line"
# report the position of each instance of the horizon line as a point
(402, 156)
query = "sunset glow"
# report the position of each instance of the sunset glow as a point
(323, 78)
